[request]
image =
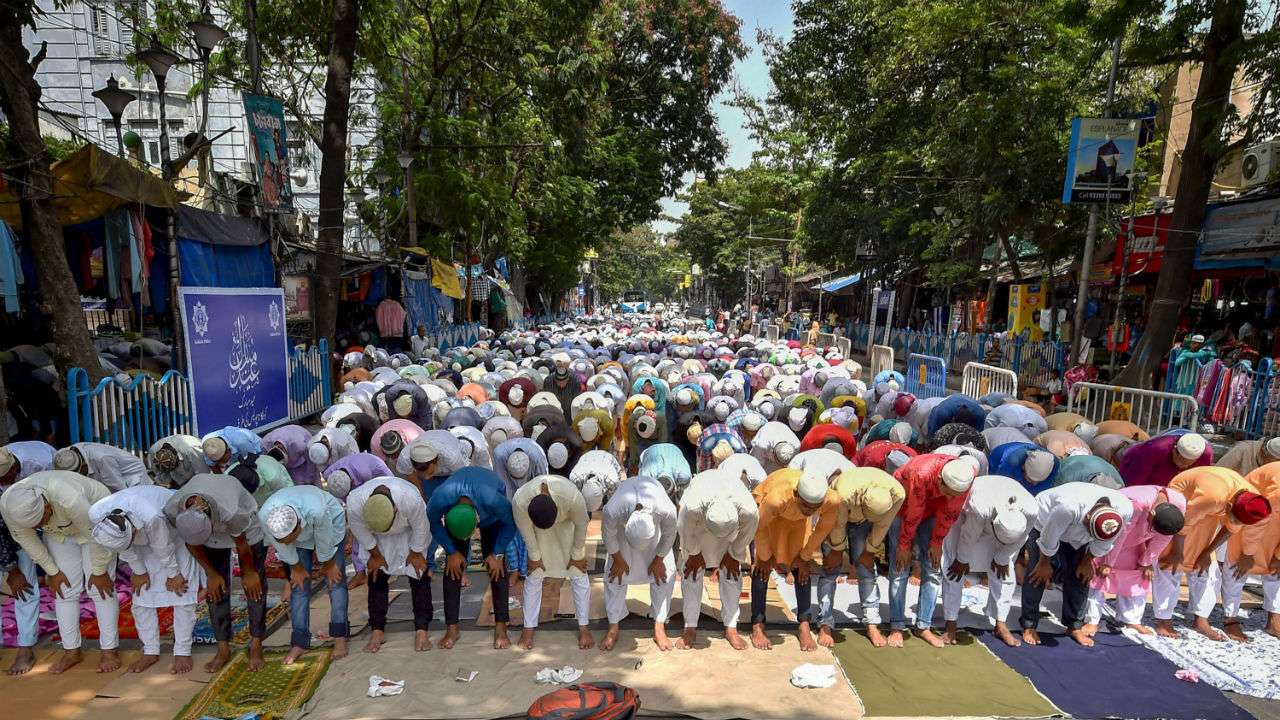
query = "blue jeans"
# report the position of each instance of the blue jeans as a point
(300, 602)
(868, 590)
(930, 577)
(27, 610)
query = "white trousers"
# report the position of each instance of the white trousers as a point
(581, 585)
(615, 599)
(1202, 591)
(148, 624)
(73, 561)
(1129, 610)
(1271, 593)
(730, 599)
(999, 600)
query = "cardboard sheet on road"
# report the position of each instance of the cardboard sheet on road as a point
(153, 695)
(677, 682)
(41, 694)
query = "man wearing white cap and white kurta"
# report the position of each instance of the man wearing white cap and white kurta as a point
(132, 523)
(639, 533)
(717, 523)
(1248, 455)
(388, 517)
(111, 466)
(57, 503)
(994, 525)
(17, 461)
(551, 514)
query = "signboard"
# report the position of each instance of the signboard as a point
(269, 142)
(1025, 303)
(237, 356)
(1100, 160)
(1240, 234)
(297, 297)
(1149, 237)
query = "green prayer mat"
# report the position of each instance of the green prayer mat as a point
(272, 692)
(920, 680)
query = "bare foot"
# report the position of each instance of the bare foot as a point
(357, 580)
(585, 640)
(1203, 627)
(181, 665)
(1139, 628)
(610, 638)
(1089, 629)
(450, 638)
(143, 663)
(660, 637)
(895, 639)
(339, 648)
(500, 639)
(1164, 628)
(824, 637)
(1082, 637)
(219, 659)
(1030, 636)
(256, 659)
(874, 635)
(69, 659)
(735, 640)
(1235, 631)
(526, 639)
(421, 643)
(758, 638)
(928, 636)
(949, 633)
(109, 661)
(806, 638)
(1002, 632)
(23, 661)
(1272, 628)
(687, 639)
(295, 652)
(376, 638)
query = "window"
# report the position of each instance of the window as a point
(149, 131)
(100, 32)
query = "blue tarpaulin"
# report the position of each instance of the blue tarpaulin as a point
(223, 251)
(839, 283)
(424, 303)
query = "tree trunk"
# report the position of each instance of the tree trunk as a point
(19, 96)
(989, 310)
(333, 165)
(1200, 157)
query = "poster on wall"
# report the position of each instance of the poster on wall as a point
(237, 356)
(269, 141)
(1100, 160)
(297, 297)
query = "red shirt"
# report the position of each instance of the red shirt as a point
(819, 435)
(921, 478)
(874, 454)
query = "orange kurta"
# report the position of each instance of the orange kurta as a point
(1209, 491)
(785, 533)
(1261, 540)
(1122, 427)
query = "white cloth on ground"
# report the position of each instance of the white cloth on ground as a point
(813, 676)
(380, 686)
(557, 676)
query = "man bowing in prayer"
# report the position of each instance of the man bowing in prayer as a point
(551, 515)
(17, 461)
(111, 466)
(717, 523)
(639, 533)
(1156, 461)
(388, 518)
(1257, 549)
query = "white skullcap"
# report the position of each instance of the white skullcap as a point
(1190, 446)
(403, 405)
(318, 453)
(515, 395)
(66, 459)
(1086, 431)
(1038, 466)
(1196, 338)
(784, 451)
(498, 436)
(110, 535)
(588, 429)
(518, 464)
(281, 521)
(900, 433)
(557, 455)
(339, 484)
(895, 460)
(7, 461)
(722, 411)
(685, 396)
(646, 426)
(593, 494)
(25, 504)
(640, 528)
(215, 448)
(560, 358)
(753, 422)
(958, 474)
(1009, 523)
(1270, 447)
(812, 487)
(796, 417)
(1078, 451)
(722, 518)
(423, 453)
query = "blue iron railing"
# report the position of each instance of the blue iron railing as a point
(1035, 361)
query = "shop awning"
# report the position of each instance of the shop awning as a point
(89, 183)
(839, 283)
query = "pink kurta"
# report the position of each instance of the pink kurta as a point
(1139, 545)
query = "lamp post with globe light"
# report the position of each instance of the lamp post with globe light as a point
(116, 100)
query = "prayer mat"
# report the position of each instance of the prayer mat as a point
(920, 680)
(274, 691)
(47, 623)
(128, 628)
(357, 618)
(203, 634)
(1115, 678)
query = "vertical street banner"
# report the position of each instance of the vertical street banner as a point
(269, 141)
(237, 356)
(1100, 160)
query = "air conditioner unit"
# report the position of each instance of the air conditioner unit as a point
(1261, 163)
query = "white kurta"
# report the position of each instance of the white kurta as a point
(1062, 512)
(650, 495)
(564, 541)
(155, 549)
(409, 531)
(113, 467)
(972, 538)
(706, 488)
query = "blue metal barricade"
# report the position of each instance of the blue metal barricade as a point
(926, 376)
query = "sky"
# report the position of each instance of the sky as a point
(752, 75)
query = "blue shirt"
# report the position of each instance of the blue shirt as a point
(487, 493)
(1007, 460)
(241, 442)
(324, 522)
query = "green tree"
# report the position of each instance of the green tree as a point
(638, 260)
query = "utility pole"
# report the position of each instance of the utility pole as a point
(1091, 233)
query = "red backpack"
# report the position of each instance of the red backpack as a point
(588, 701)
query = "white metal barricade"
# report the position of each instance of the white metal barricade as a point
(755, 329)
(772, 332)
(845, 346)
(826, 340)
(881, 359)
(979, 379)
(1152, 410)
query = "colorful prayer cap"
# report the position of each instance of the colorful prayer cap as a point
(1250, 508)
(460, 521)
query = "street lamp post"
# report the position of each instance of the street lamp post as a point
(159, 60)
(115, 100)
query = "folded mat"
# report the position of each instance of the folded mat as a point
(1114, 678)
(673, 683)
(921, 680)
(273, 691)
(1251, 668)
(203, 633)
(42, 695)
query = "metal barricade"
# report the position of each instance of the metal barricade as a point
(755, 329)
(926, 376)
(131, 414)
(978, 379)
(845, 347)
(881, 359)
(1240, 401)
(310, 384)
(772, 332)
(1152, 410)
(826, 340)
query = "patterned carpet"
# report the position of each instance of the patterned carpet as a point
(272, 692)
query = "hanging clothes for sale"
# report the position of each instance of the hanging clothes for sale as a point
(10, 268)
